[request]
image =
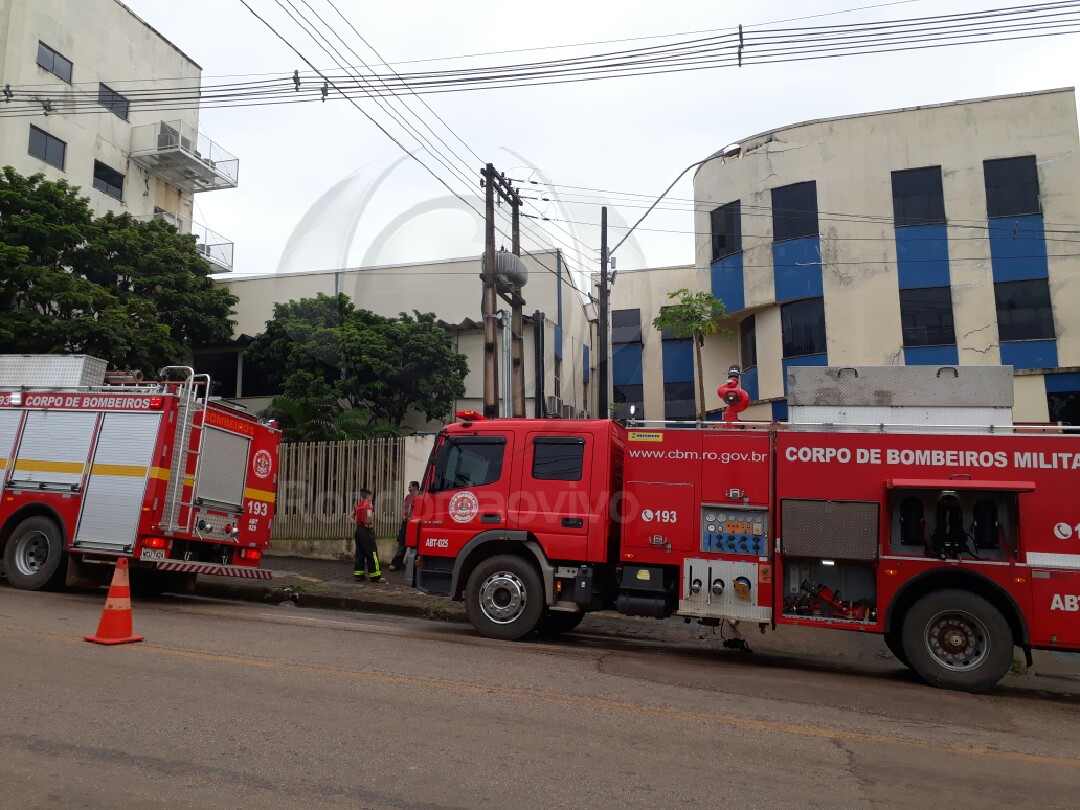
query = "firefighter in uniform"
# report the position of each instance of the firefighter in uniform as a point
(367, 552)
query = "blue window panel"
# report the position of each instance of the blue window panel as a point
(1066, 383)
(797, 269)
(678, 361)
(931, 355)
(585, 363)
(779, 410)
(1018, 248)
(805, 360)
(922, 256)
(558, 341)
(626, 364)
(727, 282)
(750, 382)
(1030, 354)
(714, 416)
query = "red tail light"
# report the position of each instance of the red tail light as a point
(155, 542)
(252, 554)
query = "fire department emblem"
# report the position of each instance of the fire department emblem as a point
(262, 464)
(463, 507)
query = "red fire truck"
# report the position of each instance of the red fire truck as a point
(160, 473)
(956, 543)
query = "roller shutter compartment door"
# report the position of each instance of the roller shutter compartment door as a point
(9, 429)
(54, 448)
(223, 465)
(112, 504)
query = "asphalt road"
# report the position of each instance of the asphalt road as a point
(239, 705)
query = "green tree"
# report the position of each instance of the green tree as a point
(326, 355)
(309, 421)
(137, 294)
(696, 315)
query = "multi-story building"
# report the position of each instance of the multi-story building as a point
(939, 235)
(558, 326)
(75, 76)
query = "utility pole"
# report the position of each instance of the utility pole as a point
(602, 329)
(496, 183)
(491, 357)
(517, 325)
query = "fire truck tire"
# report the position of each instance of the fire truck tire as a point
(504, 598)
(955, 639)
(896, 646)
(556, 622)
(34, 553)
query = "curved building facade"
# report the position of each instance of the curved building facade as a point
(939, 235)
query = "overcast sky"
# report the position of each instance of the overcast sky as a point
(322, 187)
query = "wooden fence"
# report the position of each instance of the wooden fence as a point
(319, 482)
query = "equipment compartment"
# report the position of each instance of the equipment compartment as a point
(830, 590)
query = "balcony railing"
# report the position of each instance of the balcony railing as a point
(214, 247)
(181, 155)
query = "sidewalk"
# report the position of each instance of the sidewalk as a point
(330, 584)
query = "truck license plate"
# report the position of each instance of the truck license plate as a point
(152, 554)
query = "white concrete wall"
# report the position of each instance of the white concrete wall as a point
(105, 43)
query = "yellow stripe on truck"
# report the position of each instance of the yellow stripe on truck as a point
(3, 463)
(259, 495)
(162, 473)
(36, 465)
(121, 470)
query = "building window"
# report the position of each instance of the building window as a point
(748, 342)
(108, 180)
(794, 211)
(45, 147)
(1023, 310)
(626, 326)
(726, 230)
(53, 62)
(680, 400)
(803, 325)
(917, 197)
(926, 316)
(627, 395)
(1012, 187)
(112, 101)
(558, 458)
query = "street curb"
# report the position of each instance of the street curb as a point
(440, 610)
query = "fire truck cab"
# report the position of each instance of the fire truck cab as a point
(161, 473)
(888, 504)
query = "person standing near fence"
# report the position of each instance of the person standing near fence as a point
(366, 552)
(406, 513)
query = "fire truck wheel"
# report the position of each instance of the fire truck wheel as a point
(896, 646)
(556, 622)
(957, 640)
(504, 598)
(33, 555)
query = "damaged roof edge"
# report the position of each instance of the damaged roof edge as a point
(894, 111)
(158, 34)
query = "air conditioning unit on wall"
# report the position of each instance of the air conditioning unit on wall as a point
(554, 407)
(567, 411)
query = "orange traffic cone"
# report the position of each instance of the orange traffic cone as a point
(115, 625)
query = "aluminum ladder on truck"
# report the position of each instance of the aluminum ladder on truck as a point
(191, 418)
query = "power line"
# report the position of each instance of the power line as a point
(769, 46)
